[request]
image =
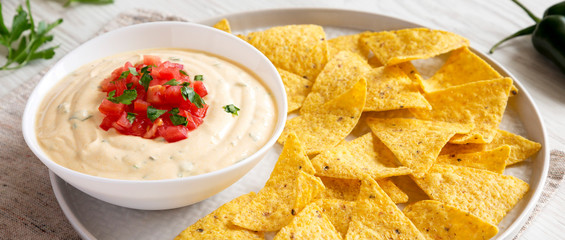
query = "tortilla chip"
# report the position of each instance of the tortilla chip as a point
(364, 155)
(410, 188)
(296, 88)
(415, 143)
(481, 103)
(399, 113)
(223, 25)
(310, 223)
(217, 224)
(451, 148)
(300, 49)
(330, 123)
(462, 66)
(492, 160)
(440, 221)
(338, 188)
(339, 212)
(290, 187)
(375, 216)
(520, 147)
(389, 88)
(410, 70)
(483, 193)
(393, 191)
(337, 77)
(393, 47)
(348, 43)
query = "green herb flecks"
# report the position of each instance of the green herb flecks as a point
(230, 108)
(124, 75)
(154, 113)
(146, 78)
(125, 98)
(198, 78)
(129, 85)
(68, 3)
(183, 72)
(24, 48)
(131, 116)
(172, 82)
(177, 119)
(133, 71)
(189, 94)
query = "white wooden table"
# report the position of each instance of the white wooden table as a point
(483, 22)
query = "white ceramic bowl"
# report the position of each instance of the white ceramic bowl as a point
(170, 193)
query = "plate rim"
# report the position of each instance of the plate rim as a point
(543, 153)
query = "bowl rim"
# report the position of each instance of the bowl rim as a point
(30, 110)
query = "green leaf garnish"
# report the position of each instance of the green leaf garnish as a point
(146, 78)
(154, 113)
(192, 96)
(24, 40)
(185, 84)
(183, 72)
(125, 98)
(177, 119)
(131, 116)
(198, 78)
(129, 85)
(230, 108)
(172, 82)
(133, 71)
(68, 3)
(124, 75)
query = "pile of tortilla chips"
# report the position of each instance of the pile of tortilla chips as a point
(424, 157)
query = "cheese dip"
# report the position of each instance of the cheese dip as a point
(68, 122)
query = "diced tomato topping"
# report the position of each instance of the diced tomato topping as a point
(130, 116)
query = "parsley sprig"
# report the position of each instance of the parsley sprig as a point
(189, 94)
(125, 98)
(25, 47)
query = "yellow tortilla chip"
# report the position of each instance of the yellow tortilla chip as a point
(393, 191)
(393, 47)
(440, 221)
(290, 187)
(300, 49)
(410, 188)
(338, 188)
(348, 43)
(296, 88)
(375, 216)
(330, 123)
(399, 113)
(389, 88)
(481, 103)
(410, 70)
(338, 76)
(364, 155)
(217, 224)
(520, 147)
(310, 223)
(415, 143)
(223, 25)
(339, 212)
(483, 193)
(462, 66)
(493, 160)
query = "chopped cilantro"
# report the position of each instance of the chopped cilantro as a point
(185, 84)
(154, 113)
(129, 85)
(192, 96)
(145, 78)
(198, 78)
(125, 98)
(172, 82)
(177, 119)
(124, 75)
(183, 72)
(131, 116)
(231, 109)
(133, 71)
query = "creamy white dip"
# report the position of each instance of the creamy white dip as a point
(68, 122)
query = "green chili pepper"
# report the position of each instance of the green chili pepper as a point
(548, 33)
